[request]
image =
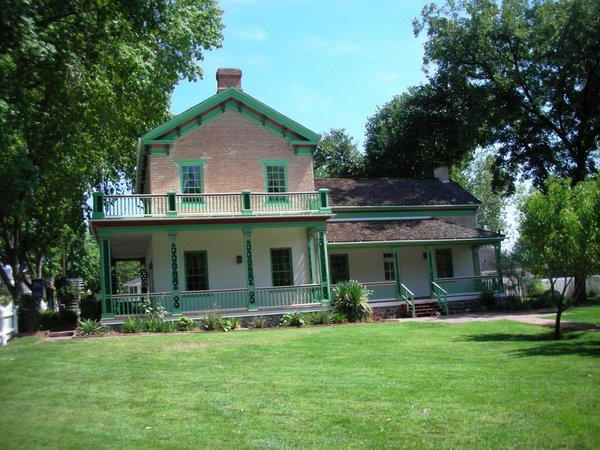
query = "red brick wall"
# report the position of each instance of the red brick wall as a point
(231, 146)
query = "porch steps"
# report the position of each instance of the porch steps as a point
(423, 308)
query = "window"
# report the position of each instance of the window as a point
(281, 267)
(388, 267)
(196, 271)
(276, 179)
(443, 263)
(191, 180)
(339, 268)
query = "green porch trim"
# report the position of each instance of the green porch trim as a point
(430, 272)
(109, 231)
(498, 253)
(387, 244)
(476, 263)
(174, 256)
(105, 278)
(396, 259)
(249, 259)
(159, 151)
(159, 142)
(98, 205)
(310, 241)
(325, 281)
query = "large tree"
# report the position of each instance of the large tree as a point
(426, 127)
(560, 230)
(78, 80)
(539, 66)
(337, 156)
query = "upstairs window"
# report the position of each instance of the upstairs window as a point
(191, 180)
(276, 179)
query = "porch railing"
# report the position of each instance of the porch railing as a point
(215, 299)
(467, 285)
(132, 304)
(407, 296)
(269, 297)
(440, 294)
(381, 290)
(210, 205)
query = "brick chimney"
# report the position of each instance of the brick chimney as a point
(228, 78)
(442, 173)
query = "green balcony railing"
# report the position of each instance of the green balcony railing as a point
(270, 297)
(381, 290)
(215, 299)
(210, 205)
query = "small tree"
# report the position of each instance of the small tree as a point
(337, 156)
(561, 234)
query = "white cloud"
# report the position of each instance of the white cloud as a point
(254, 34)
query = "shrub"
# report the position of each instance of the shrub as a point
(185, 324)
(155, 310)
(48, 320)
(212, 321)
(225, 325)
(351, 298)
(90, 308)
(90, 327)
(259, 322)
(487, 298)
(154, 324)
(29, 313)
(133, 325)
(66, 294)
(292, 319)
(168, 326)
(338, 317)
(236, 323)
(68, 320)
(321, 317)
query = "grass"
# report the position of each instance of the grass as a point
(584, 314)
(386, 385)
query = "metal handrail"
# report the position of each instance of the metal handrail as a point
(409, 297)
(441, 295)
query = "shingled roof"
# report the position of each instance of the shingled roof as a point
(394, 192)
(403, 230)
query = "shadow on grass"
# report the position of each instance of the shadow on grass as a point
(569, 344)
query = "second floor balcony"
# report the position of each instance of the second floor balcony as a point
(243, 203)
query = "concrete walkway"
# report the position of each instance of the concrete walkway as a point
(536, 318)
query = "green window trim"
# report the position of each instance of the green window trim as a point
(276, 179)
(282, 273)
(339, 268)
(196, 270)
(191, 180)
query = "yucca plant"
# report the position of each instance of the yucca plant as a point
(132, 325)
(90, 327)
(154, 324)
(352, 299)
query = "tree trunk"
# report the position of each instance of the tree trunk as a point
(579, 293)
(557, 323)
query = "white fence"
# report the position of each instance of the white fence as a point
(592, 284)
(8, 322)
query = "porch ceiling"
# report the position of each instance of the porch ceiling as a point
(404, 230)
(129, 246)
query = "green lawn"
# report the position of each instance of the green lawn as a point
(390, 385)
(585, 314)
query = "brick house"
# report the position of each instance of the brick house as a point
(227, 214)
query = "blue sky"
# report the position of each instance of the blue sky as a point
(324, 63)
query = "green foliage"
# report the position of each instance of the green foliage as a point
(560, 230)
(90, 307)
(235, 322)
(185, 324)
(321, 317)
(152, 308)
(260, 322)
(66, 294)
(396, 143)
(29, 313)
(532, 68)
(212, 321)
(133, 325)
(90, 327)
(351, 298)
(337, 156)
(292, 319)
(476, 177)
(154, 324)
(48, 320)
(78, 81)
(338, 317)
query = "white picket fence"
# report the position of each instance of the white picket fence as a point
(8, 322)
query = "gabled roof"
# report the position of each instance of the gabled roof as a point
(408, 231)
(299, 137)
(346, 192)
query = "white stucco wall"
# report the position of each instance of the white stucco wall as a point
(222, 248)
